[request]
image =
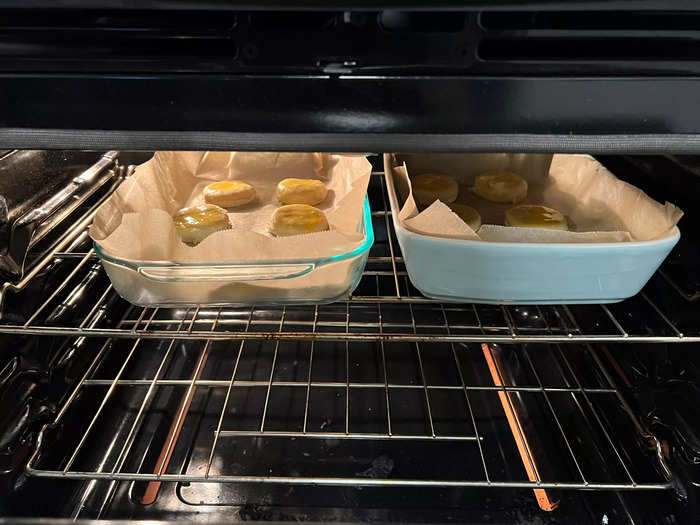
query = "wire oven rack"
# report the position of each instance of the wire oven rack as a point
(385, 306)
(386, 368)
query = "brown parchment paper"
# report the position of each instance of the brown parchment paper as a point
(601, 207)
(135, 223)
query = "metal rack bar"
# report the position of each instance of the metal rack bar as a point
(217, 434)
(614, 321)
(509, 321)
(677, 288)
(98, 305)
(335, 336)
(339, 324)
(663, 463)
(308, 379)
(388, 234)
(58, 289)
(468, 402)
(662, 315)
(272, 375)
(422, 376)
(345, 435)
(595, 449)
(593, 410)
(103, 403)
(355, 324)
(341, 481)
(184, 406)
(386, 381)
(214, 383)
(83, 379)
(623, 403)
(554, 414)
(131, 437)
(219, 383)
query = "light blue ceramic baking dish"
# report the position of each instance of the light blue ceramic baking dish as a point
(524, 273)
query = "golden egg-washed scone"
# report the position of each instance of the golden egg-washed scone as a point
(501, 186)
(301, 191)
(429, 187)
(295, 219)
(533, 216)
(195, 223)
(229, 193)
(467, 214)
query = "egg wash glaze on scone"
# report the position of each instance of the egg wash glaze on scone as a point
(196, 223)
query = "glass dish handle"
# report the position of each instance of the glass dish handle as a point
(227, 273)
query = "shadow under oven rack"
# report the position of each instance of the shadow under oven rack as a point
(415, 392)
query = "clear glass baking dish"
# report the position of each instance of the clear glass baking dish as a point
(285, 281)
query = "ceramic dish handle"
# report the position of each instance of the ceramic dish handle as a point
(226, 273)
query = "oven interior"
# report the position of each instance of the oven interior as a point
(385, 407)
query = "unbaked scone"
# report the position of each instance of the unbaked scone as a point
(429, 187)
(467, 214)
(301, 191)
(229, 193)
(501, 186)
(295, 219)
(195, 223)
(533, 216)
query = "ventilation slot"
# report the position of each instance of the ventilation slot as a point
(115, 35)
(422, 22)
(583, 49)
(297, 21)
(591, 20)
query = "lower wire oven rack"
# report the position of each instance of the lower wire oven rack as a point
(386, 388)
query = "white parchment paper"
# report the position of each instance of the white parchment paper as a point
(601, 207)
(136, 221)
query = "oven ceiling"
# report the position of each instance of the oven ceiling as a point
(613, 76)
